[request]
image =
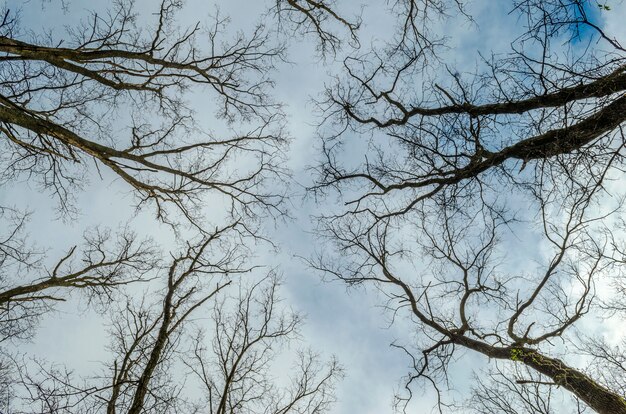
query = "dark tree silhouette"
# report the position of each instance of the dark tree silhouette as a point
(92, 97)
(453, 165)
(319, 18)
(110, 97)
(152, 340)
(103, 264)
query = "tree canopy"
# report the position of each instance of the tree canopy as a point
(466, 169)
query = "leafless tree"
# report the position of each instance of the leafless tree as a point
(454, 164)
(247, 337)
(149, 340)
(521, 391)
(110, 96)
(317, 17)
(29, 285)
(144, 336)
(109, 93)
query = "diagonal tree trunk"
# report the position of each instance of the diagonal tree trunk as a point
(597, 397)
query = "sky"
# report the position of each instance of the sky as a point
(348, 323)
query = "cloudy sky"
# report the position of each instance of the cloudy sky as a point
(348, 323)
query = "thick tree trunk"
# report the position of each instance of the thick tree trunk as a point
(597, 397)
(593, 394)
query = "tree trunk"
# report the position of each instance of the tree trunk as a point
(593, 394)
(597, 397)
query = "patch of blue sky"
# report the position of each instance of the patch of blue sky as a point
(588, 13)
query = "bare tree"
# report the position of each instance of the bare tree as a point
(110, 96)
(144, 337)
(512, 392)
(149, 341)
(62, 101)
(247, 337)
(455, 164)
(316, 17)
(30, 286)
